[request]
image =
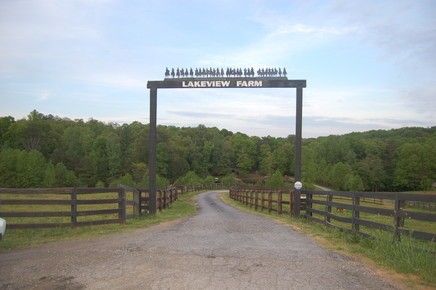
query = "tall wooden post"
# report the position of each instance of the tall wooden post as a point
(152, 152)
(74, 207)
(397, 218)
(298, 137)
(121, 205)
(328, 208)
(355, 213)
(136, 202)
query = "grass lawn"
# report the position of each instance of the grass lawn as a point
(20, 238)
(412, 261)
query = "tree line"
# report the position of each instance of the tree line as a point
(46, 150)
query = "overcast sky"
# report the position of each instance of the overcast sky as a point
(368, 64)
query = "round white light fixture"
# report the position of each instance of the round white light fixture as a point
(298, 185)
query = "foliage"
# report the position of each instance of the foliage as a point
(380, 160)
(229, 180)
(275, 181)
(45, 150)
(190, 178)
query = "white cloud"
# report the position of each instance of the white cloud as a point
(281, 41)
(124, 81)
(44, 95)
(313, 30)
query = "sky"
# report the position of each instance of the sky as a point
(368, 64)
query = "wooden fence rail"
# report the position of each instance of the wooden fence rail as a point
(164, 197)
(325, 201)
(397, 212)
(63, 197)
(51, 207)
(266, 199)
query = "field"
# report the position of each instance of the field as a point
(18, 238)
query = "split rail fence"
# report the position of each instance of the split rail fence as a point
(339, 209)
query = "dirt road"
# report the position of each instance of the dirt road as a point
(219, 248)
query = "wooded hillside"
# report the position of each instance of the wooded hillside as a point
(46, 150)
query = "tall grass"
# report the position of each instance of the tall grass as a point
(405, 256)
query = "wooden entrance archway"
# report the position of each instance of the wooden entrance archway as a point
(231, 81)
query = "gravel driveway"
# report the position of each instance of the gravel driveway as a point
(219, 248)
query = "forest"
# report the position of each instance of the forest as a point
(47, 151)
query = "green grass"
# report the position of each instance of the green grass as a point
(415, 259)
(183, 207)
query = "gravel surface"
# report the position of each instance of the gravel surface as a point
(219, 248)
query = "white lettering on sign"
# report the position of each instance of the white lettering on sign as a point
(205, 84)
(248, 84)
(220, 84)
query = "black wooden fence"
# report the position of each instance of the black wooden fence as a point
(69, 200)
(75, 207)
(396, 211)
(345, 207)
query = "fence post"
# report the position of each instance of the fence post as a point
(296, 201)
(397, 218)
(159, 197)
(308, 204)
(171, 195)
(290, 201)
(74, 207)
(279, 202)
(269, 201)
(121, 205)
(136, 202)
(251, 199)
(355, 213)
(256, 199)
(165, 203)
(262, 201)
(328, 207)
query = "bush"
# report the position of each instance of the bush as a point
(100, 184)
(208, 180)
(275, 181)
(189, 179)
(126, 179)
(229, 180)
